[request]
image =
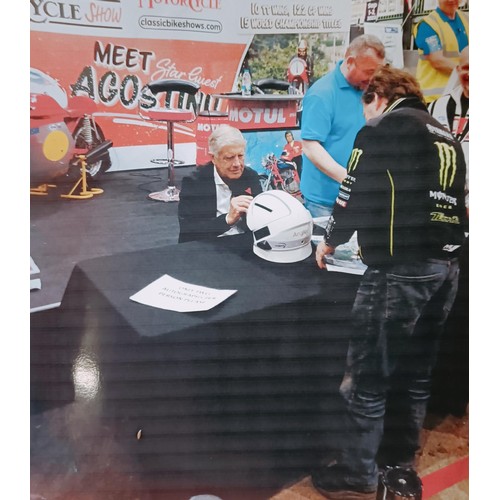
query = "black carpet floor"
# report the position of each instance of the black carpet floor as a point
(122, 218)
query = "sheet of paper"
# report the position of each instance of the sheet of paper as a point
(174, 295)
(391, 35)
(342, 266)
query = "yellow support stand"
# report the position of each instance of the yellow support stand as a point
(42, 189)
(84, 193)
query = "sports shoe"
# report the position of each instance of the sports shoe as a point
(347, 494)
(337, 489)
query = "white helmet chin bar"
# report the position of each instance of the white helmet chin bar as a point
(281, 226)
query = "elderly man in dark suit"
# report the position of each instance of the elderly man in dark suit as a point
(214, 200)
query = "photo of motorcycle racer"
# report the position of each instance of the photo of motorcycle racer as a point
(300, 70)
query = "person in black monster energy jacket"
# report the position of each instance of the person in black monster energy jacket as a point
(404, 195)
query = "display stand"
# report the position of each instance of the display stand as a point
(262, 111)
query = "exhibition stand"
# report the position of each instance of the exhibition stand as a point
(244, 395)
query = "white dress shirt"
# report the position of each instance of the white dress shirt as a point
(223, 202)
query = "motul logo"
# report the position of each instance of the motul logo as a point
(207, 127)
(267, 116)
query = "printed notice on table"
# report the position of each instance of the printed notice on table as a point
(345, 266)
(174, 295)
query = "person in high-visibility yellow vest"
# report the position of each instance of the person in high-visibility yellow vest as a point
(440, 37)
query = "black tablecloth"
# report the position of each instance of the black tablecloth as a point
(248, 386)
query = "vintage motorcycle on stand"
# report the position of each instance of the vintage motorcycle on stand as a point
(281, 175)
(62, 129)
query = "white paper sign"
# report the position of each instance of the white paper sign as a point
(174, 295)
(391, 35)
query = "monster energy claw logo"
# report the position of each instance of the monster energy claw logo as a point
(354, 159)
(447, 164)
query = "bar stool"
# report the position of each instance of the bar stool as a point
(273, 86)
(172, 113)
(265, 85)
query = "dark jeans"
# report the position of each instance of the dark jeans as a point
(398, 316)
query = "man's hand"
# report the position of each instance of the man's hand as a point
(238, 206)
(321, 250)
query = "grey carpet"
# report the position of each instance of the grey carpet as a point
(121, 219)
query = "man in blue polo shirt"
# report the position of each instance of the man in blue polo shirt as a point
(332, 115)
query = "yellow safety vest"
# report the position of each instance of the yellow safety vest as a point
(431, 81)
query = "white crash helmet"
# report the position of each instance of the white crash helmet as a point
(282, 227)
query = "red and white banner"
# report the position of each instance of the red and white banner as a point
(107, 50)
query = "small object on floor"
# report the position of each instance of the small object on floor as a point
(205, 497)
(35, 283)
(399, 483)
(168, 194)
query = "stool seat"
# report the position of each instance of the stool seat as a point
(269, 84)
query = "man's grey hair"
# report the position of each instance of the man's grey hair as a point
(225, 135)
(362, 43)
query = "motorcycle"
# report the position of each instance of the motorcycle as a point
(61, 128)
(297, 75)
(281, 175)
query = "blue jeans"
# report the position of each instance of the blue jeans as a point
(317, 210)
(398, 316)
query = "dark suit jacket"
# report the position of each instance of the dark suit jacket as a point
(198, 203)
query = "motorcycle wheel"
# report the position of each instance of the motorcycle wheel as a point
(291, 186)
(97, 168)
(298, 86)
